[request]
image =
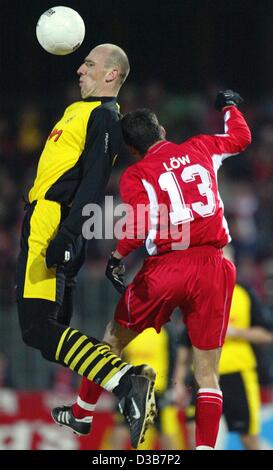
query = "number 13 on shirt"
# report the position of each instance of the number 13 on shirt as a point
(181, 211)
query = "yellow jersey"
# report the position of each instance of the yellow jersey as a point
(77, 158)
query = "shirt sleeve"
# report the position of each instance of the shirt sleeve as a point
(236, 137)
(102, 133)
(136, 226)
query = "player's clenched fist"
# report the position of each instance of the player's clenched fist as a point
(227, 98)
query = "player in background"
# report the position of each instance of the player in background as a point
(249, 324)
(189, 271)
(73, 170)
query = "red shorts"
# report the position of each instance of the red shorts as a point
(199, 281)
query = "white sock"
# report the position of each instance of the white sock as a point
(204, 448)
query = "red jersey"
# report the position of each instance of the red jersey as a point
(177, 184)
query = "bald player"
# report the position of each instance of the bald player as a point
(73, 171)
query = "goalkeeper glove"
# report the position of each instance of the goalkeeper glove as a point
(115, 270)
(227, 98)
(59, 251)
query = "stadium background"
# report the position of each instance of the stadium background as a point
(181, 53)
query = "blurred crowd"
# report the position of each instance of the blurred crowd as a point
(246, 182)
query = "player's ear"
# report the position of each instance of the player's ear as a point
(111, 76)
(163, 132)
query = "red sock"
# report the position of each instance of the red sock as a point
(88, 396)
(209, 405)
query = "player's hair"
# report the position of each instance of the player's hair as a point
(118, 58)
(141, 129)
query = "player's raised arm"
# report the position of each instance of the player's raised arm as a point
(236, 136)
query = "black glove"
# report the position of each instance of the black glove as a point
(227, 98)
(115, 270)
(59, 251)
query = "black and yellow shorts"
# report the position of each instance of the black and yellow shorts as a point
(34, 280)
(241, 405)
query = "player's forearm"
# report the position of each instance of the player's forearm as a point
(91, 191)
(180, 373)
(182, 365)
(236, 128)
(255, 334)
(74, 222)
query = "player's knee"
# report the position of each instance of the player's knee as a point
(26, 337)
(206, 379)
(36, 334)
(47, 353)
(38, 325)
(31, 336)
(40, 339)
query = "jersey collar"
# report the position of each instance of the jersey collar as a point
(104, 99)
(155, 148)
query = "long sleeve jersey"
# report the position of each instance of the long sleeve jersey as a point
(76, 162)
(172, 193)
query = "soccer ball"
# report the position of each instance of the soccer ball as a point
(60, 30)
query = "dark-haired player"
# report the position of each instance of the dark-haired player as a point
(184, 232)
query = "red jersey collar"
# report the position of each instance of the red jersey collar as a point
(155, 148)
